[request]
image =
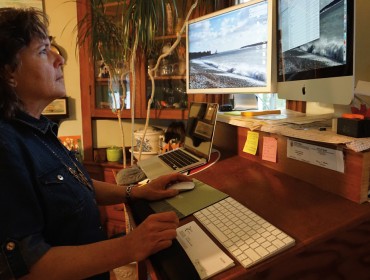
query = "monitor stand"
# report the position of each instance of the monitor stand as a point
(243, 102)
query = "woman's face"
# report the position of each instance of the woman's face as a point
(39, 76)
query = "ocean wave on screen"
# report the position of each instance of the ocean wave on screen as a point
(333, 50)
(226, 68)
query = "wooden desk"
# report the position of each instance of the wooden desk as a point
(332, 233)
(353, 184)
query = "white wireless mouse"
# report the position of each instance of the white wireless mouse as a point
(182, 186)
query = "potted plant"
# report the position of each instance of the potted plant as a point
(127, 32)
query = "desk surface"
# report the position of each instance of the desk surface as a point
(307, 213)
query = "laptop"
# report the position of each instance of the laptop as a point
(196, 151)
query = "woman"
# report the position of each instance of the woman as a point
(49, 222)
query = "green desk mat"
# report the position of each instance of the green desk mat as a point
(189, 202)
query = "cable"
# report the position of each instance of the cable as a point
(204, 167)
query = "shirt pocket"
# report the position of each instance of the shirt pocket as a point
(62, 194)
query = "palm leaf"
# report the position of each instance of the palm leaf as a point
(116, 33)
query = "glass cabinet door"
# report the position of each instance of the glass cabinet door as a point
(111, 91)
(170, 76)
(111, 74)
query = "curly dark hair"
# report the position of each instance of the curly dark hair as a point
(17, 28)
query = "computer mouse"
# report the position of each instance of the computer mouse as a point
(182, 186)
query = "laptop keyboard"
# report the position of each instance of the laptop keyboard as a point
(177, 159)
(247, 236)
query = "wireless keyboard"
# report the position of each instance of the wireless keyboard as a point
(247, 236)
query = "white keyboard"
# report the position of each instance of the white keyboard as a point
(248, 237)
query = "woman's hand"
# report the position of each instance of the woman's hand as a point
(154, 234)
(156, 189)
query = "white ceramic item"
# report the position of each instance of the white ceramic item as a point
(152, 140)
(144, 155)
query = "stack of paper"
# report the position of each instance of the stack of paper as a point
(205, 255)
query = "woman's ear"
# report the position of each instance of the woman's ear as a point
(12, 82)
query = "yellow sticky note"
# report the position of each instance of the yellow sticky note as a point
(251, 144)
(269, 149)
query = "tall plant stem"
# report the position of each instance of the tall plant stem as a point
(133, 95)
(152, 70)
(118, 111)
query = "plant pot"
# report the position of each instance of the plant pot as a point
(114, 154)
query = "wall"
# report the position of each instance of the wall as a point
(63, 18)
(102, 128)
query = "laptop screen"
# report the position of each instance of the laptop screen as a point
(200, 128)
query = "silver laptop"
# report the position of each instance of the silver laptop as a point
(197, 147)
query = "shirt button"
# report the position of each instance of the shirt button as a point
(60, 177)
(10, 246)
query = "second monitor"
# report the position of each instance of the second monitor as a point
(231, 51)
(323, 49)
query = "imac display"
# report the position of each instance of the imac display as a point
(317, 47)
(231, 51)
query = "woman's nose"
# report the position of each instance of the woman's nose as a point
(59, 60)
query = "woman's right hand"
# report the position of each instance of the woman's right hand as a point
(155, 233)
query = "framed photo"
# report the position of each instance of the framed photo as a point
(57, 109)
(210, 113)
(203, 130)
(39, 4)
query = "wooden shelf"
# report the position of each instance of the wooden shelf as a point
(168, 37)
(181, 77)
(169, 114)
(107, 113)
(102, 81)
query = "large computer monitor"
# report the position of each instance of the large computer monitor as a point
(232, 50)
(322, 49)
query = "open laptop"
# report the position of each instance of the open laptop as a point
(197, 147)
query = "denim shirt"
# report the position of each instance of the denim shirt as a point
(41, 203)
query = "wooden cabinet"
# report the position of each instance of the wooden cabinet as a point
(95, 100)
(170, 76)
(171, 100)
(113, 216)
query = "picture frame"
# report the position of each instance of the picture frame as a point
(210, 112)
(38, 4)
(203, 130)
(58, 109)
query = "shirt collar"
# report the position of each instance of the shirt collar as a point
(43, 124)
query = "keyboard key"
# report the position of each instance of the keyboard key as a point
(252, 254)
(177, 159)
(246, 262)
(218, 234)
(261, 251)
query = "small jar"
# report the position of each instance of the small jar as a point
(114, 154)
(166, 68)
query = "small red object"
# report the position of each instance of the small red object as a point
(353, 116)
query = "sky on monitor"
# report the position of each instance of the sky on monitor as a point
(230, 31)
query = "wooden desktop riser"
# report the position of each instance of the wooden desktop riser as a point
(353, 184)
